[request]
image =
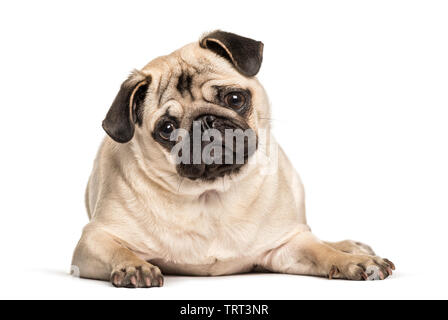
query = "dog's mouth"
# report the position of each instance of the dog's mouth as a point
(207, 172)
(216, 147)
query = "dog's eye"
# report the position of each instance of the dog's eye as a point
(166, 129)
(235, 100)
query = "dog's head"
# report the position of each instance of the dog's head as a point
(200, 107)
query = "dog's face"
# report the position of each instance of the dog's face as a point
(185, 106)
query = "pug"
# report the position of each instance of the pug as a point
(162, 202)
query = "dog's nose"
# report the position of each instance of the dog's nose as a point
(207, 121)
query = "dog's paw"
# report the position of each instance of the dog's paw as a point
(143, 275)
(361, 267)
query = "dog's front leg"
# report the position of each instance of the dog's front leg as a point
(102, 256)
(306, 255)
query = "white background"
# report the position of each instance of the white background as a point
(360, 103)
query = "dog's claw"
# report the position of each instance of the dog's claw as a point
(364, 275)
(134, 281)
(389, 271)
(392, 265)
(332, 272)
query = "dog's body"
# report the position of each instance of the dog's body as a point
(147, 216)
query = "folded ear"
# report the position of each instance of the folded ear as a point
(245, 54)
(126, 110)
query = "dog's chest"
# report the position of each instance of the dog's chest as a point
(210, 229)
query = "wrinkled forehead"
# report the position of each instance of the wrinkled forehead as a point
(194, 59)
(185, 79)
